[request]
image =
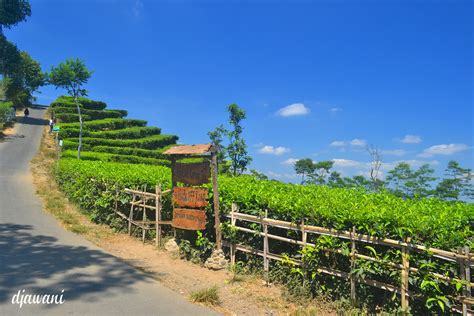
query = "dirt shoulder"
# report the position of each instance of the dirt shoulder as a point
(248, 296)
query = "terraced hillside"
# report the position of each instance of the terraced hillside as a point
(108, 135)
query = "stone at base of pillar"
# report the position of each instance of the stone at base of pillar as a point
(217, 260)
(171, 245)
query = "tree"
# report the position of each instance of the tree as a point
(408, 183)
(359, 181)
(13, 12)
(24, 81)
(321, 170)
(422, 179)
(304, 167)
(237, 149)
(401, 178)
(217, 138)
(10, 58)
(72, 75)
(258, 175)
(457, 184)
(336, 181)
(376, 164)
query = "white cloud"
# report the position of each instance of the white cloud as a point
(335, 110)
(346, 163)
(137, 8)
(358, 142)
(290, 161)
(274, 150)
(411, 139)
(338, 143)
(293, 110)
(443, 149)
(394, 152)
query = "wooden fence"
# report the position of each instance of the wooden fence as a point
(143, 202)
(463, 257)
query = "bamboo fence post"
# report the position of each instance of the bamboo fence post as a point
(265, 247)
(466, 276)
(144, 214)
(232, 223)
(173, 185)
(116, 200)
(130, 216)
(405, 277)
(215, 195)
(353, 264)
(304, 236)
(158, 215)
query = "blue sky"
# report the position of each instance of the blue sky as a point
(318, 79)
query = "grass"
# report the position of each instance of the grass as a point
(236, 278)
(208, 296)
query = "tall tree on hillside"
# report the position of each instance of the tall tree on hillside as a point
(72, 75)
(304, 167)
(10, 58)
(457, 184)
(13, 12)
(237, 149)
(24, 81)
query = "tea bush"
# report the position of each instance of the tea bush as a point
(106, 124)
(71, 117)
(150, 142)
(93, 114)
(88, 155)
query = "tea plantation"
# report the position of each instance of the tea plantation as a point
(123, 153)
(108, 135)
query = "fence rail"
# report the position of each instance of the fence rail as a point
(143, 201)
(463, 257)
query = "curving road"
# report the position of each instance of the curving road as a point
(38, 256)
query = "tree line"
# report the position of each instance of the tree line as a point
(402, 180)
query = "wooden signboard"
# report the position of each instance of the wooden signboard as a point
(191, 173)
(189, 219)
(190, 197)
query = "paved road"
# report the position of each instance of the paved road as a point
(38, 256)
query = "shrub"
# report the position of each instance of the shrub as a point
(5, 112)
(86, 155)
(125, 133)
(70, 117)
(128, 133)
(207, 296)
(72, 132)
(106, 124)
(150, 142)
(93, 114)
(72, 145)
(157, 153)
(68, 101)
